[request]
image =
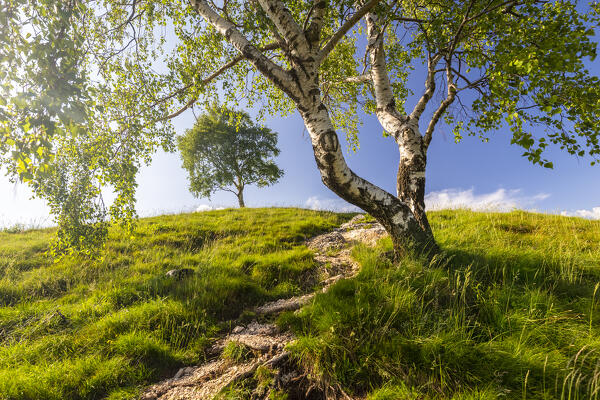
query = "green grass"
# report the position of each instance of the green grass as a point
(236, 352)
(511, 311)
(82, 329)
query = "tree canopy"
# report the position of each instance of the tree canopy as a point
(225, 150)
(89, 88)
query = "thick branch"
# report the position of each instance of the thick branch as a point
(315, 16)
(286, 25)
(350, 22)
(356, 79)
(384, 96)
(281, 78)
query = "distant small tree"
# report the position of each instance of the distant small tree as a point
(226, 150)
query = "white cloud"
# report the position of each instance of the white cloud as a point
(317, 203)
(594, 213)
(500, 200)
(203, 207)
(207, 207)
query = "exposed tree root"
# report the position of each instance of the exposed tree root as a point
(266, 342)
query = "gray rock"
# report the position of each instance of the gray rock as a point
(179, 373)
(354, 221)
(180, 273)
(237, 329)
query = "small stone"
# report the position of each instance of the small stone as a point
(179, 373)
(180, 273)
(237, 329)
(354, 221)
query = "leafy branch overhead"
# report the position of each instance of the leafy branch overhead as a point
(488, 65)
(225, 150)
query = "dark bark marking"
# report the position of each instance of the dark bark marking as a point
(299, 63)
(297, 81)
(329, 142)
(412, 190)
(228, 32)
(389, 107)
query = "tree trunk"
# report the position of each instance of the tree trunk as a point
(394, 214)
(301, 84)
(240, 196)
(410, 182)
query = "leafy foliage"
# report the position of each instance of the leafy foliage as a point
(89, 88)
(225, 150)
(518, 65)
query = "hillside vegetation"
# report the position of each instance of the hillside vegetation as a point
(510, 310)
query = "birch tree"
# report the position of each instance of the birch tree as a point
(130, 68)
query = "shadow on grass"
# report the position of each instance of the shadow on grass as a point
(512, 324)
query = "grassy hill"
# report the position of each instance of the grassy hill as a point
(510, 311)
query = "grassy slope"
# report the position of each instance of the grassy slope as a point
(512, 312)
(86, 330)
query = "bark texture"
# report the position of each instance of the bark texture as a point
(410, 181)
(403, 216)
(393, 213)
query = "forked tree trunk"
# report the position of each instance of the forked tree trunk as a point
(410, 181)
(301, 84)
(395, 214)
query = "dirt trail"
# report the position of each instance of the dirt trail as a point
(266, 342)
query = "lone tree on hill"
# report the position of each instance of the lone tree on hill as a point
(225, 150)
(487, 65)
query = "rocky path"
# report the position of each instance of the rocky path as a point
(264, 342)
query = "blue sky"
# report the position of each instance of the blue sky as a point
(471, 174)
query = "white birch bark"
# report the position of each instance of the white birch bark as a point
(302, 85)
(281, 78)
(394, 214)
(286, 25)
(410, 182)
